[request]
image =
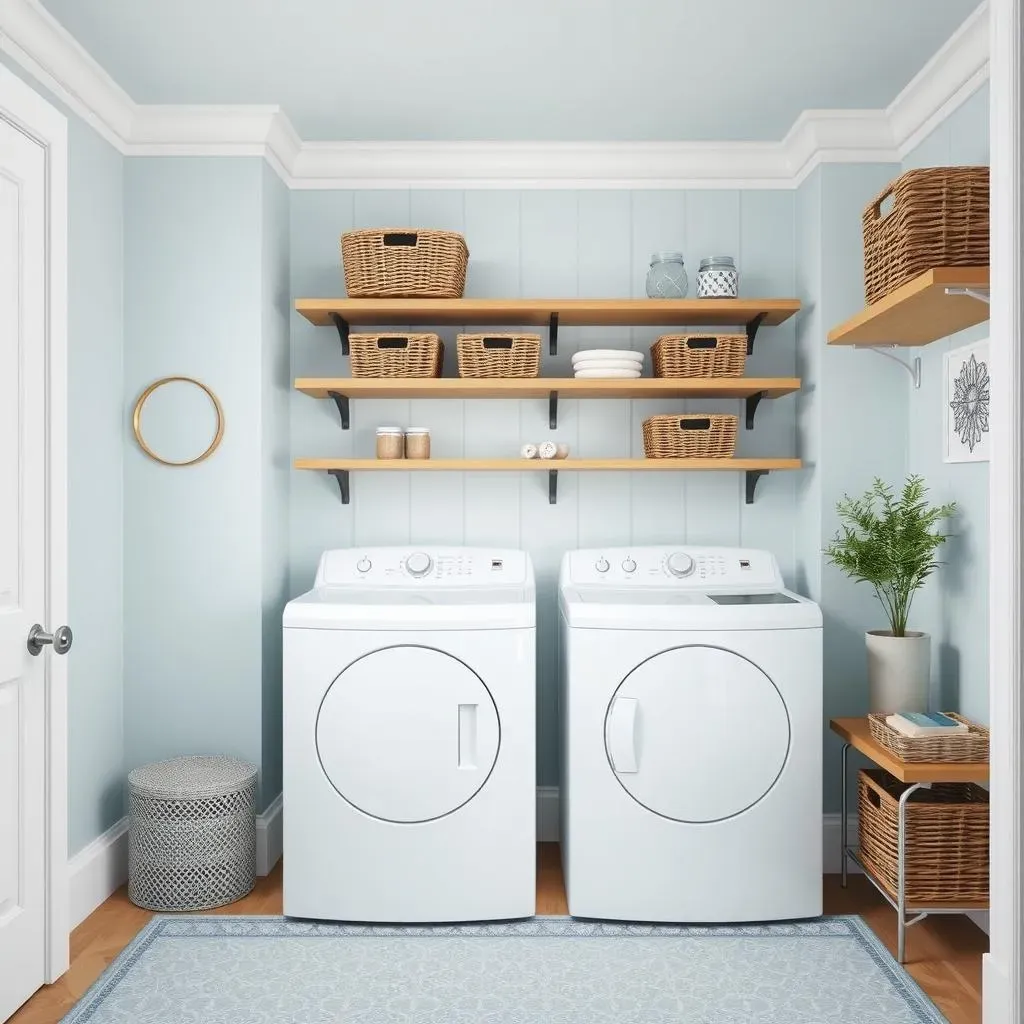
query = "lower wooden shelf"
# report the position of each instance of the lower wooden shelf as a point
(753, 468)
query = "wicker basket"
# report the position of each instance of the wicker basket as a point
(690, 437)
(946, 843)
(958, 746)
(499, 355)
(404, 263)
(396, 355)
(939, 218)
(699, 355)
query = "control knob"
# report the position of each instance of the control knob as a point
(680, 564)
(364, 564)
(601, 565)
(419, 563)
(628, 565)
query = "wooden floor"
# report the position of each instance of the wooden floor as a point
(943, 953)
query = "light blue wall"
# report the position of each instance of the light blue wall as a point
(193, 536)
(532, 243)
(953, 608)
(95, 447)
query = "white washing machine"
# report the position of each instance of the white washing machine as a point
(409, 737)
(691, 715)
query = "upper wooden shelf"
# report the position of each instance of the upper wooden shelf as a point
(919, 312)
(857, 733)
(538, 312)
(542, 387)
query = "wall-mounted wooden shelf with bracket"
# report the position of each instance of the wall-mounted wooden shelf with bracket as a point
(551, 313)
(934, 305)
(753, 469)
(343, 389)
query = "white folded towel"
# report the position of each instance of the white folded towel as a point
(528, 451)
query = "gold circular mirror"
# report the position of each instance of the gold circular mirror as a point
(174, 419)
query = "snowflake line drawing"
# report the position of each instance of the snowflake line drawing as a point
(970, 402)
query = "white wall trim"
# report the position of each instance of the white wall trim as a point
(97, 871)
(37, 41)
(269, 836)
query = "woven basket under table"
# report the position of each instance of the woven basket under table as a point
(690, 436)
(396, 355)
(699, 355)
(499, 355)
(939, 218)
(404, 263)
(946, 842)
(191, 833)
(956, 746)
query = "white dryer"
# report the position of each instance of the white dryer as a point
(691, 716)
(409, 737)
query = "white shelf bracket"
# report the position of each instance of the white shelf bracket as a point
(973, 293)
(912, 366)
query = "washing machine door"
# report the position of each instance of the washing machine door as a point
(697, 734)
(407, 734)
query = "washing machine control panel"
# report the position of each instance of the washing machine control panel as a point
(456, 567)
(696, 568)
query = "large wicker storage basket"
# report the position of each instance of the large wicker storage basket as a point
(499, 355)
(404, 263)
(939, 218)
(191, 833)
(699, 355)
(690, 437)
(946, 841)
(396, 355)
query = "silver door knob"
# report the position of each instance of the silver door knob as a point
(38, 638)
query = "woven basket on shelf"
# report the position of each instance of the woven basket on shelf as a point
(946, 842)
(957, 746)
(396, 355)
(690, 437)
(499, 355)
(699, 355)
(404, 263)
(939, 218)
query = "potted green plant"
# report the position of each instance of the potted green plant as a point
(891, 543)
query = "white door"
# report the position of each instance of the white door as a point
(22, 566)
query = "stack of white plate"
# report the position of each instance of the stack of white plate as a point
(610, 363)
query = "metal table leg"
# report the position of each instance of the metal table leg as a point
(901, 867)
(843, 815)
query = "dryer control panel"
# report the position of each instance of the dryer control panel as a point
(686, 568)
(450, 567)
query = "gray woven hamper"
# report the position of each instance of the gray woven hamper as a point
(191, 833)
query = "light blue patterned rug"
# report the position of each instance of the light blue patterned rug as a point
(545, 970)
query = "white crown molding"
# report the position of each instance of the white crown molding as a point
(38, 42)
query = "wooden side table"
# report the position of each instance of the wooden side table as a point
(856, 733)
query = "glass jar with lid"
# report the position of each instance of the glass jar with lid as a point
(417, 443)
(390, 443)
(718, 278)
(667, 277)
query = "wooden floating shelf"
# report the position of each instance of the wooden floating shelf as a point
(538, 312)
(920, 311)
(753, 468)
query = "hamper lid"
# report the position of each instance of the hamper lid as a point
(186, 777)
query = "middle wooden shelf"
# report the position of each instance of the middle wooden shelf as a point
(343, 389)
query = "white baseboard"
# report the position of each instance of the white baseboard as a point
(97, 871)
(269, 836)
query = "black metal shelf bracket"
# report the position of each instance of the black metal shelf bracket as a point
(342, 324)
(753, 475)
(553, 410)
(341, 401)
(341, 475)
(553, 334)
(753, 401)
(552, 486)
(752, 327)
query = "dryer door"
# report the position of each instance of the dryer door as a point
(697, 734)
(407, 734)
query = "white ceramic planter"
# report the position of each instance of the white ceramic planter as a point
(899, 670)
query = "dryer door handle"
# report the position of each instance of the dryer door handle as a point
(622, 734)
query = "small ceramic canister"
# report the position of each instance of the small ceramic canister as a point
(389, 442)
(718, 278)
(417, 443)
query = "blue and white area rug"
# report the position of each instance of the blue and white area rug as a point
(545, 970)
